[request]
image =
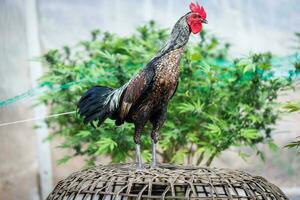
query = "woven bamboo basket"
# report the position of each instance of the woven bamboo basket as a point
(124, 182)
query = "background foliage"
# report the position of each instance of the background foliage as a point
(295, 106)
(218, 104)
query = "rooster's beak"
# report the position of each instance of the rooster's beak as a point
(204, 21)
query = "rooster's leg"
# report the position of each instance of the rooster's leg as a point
(154, 162)
(137, 140)
(138, 156)
(154, 135)
(157, 121)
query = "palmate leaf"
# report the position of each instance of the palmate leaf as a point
(179, 156)
(250, 134)
(249, 68)
(243, 62)
(192, 137)
(193, 107)
(64, 160)
(146, 155)
(213, 128)
(294, 144)
(261, 155)
(243, 155)
(272, 146)
(292, 106)
(105, 145)
(84, 133)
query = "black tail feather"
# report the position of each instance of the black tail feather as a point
(93, 105)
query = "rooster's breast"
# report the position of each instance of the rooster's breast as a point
(166, 75)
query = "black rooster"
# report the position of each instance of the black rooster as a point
(146, 96)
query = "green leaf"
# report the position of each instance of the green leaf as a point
(84, 133)
(244, 156)
(196, 56)
(105, 145)
(63, 160)
(212, 128)
(250, 133)
(261, 155)
(179, 156)
(273, 147)
(292, 106)
(244, 62)
(249, 68)
(192, 138)
(193, 107)
(294, 144)
(146, 155)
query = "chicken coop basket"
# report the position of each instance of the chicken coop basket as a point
(124, 182)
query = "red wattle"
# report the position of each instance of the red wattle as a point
(196, 27)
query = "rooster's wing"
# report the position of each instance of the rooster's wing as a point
(135, 89)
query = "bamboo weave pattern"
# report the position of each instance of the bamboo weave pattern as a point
(124, 182)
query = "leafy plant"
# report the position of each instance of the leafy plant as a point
(295, 106)
(218, 104)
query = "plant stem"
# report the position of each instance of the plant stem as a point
(190, 154)
(200, 158)
(210, 159)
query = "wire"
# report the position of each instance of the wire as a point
(37, 118)
(42, 88)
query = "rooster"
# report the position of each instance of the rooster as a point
(146, 96)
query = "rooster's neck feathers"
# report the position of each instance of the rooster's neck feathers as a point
(179, 36)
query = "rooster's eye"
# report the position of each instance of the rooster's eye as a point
(196, 16)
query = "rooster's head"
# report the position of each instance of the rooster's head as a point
(196, 17)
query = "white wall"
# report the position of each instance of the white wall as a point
(18, 154)
(250, 25)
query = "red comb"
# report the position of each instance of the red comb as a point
(195, 8)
